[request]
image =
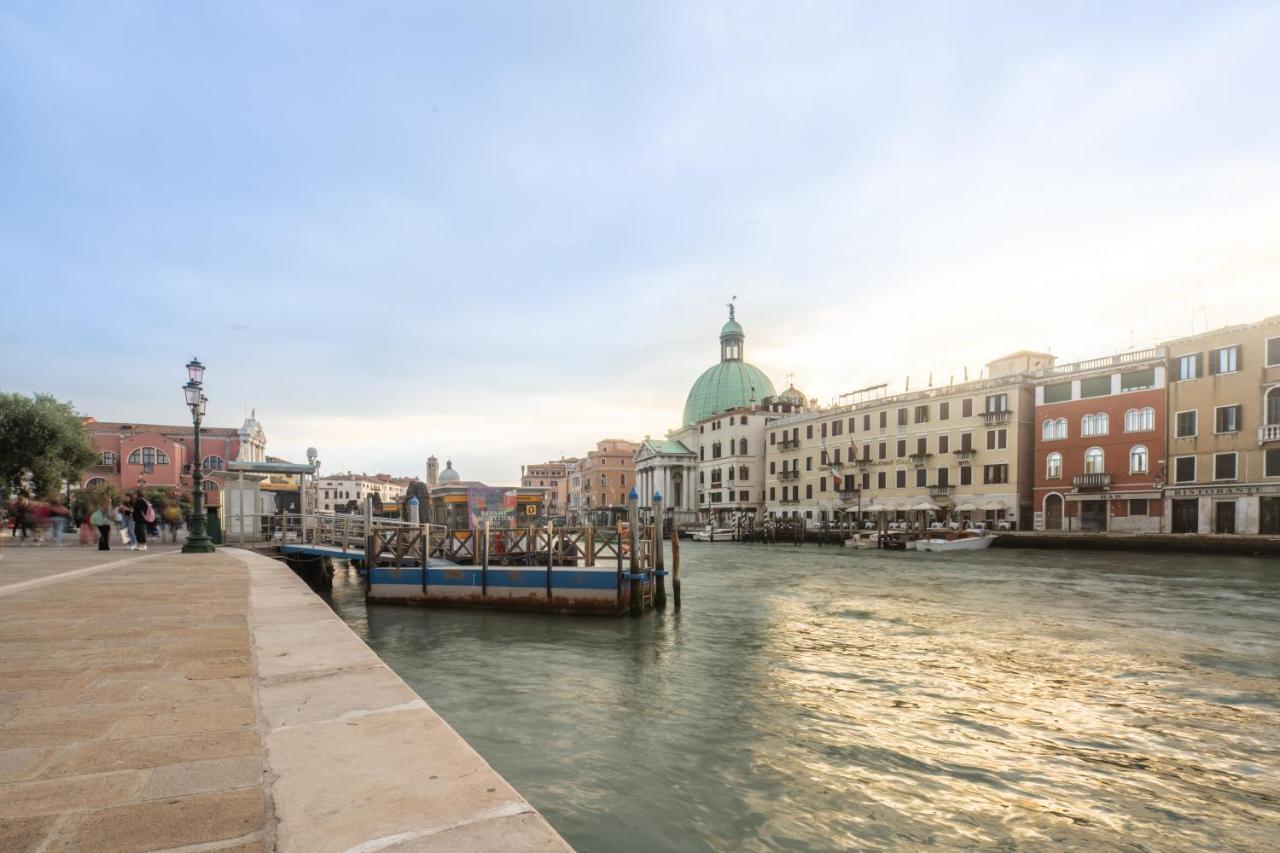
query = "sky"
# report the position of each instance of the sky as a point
(499, 232)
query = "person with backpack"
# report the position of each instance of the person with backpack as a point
(122, 517)
(144, 514)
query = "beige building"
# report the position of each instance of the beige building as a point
(553, 478)
(607, 474)
(1224, 431)
(965, 449)
(335, 492)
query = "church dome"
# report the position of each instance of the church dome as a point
(449, 474)
(730, 384)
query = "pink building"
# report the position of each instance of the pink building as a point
(132, 455)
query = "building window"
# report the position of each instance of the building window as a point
(1225, 360)
(1186, 424)
(921, 478)
(742, 447)
(1224, 466)
(1053, 466)
(966, 407)
(1189, 366)
(148, 456)
(902, 417)
(822, 484)
(1138, 459)
(1053, 429)
(922, 414)
(1140, 420)
(1271, 461)
(107, 458)
(884, 419)
(902, 447)
(1095, 386)
(1272, 406)
(866, 423)
(883, 450)
(1098, 424)
(1136, 380)
(771, 493)
(1273, 352)
(900, 479)
(944, 443)
(208, 486)
(1094, 461)
(944, 411)
(1138, 507)
(808, 431)
(995, 473)
(966, 475)
(213, 463)
(997, 439)
(880, 480)
(94, 482)
(1226, 419)
(808, 491)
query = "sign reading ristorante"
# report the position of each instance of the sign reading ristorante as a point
(1208, 491)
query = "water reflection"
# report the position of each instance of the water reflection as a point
(822, 699)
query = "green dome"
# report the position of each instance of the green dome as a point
(731, 328)
(725, 386)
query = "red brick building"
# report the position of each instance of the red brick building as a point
(1100, 444)
(132, 455)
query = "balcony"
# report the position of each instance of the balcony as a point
(1082, 482)
(788, 475)
(995, 418)
(788, 444)
(939, 490)
(848, 488)
(965, 455)
(865, 462)
(789, 501)
(1268, 433)
(918, 459)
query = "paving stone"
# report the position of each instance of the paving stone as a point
(202, 777)
(103, 755)
(158, 824)
(19, 764)
(25, 834)
(327, 696)
(52, 796)
(238, 717)
(523, 833)
(19, 736)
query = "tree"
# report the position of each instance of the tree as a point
(42, 443)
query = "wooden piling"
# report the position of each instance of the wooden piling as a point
(633, 540)
(484, 560)
(660, 582)
(550, 554)
(675, 565)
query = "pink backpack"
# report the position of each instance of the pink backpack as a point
(149, 515)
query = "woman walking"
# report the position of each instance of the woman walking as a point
(143, 516)
(122, 516)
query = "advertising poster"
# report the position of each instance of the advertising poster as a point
(495, 505)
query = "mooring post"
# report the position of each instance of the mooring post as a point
(675, 565)
(660, 582)
(484, 561)
(590, 539)
(633, 540)
(550, 553)
(370, 552)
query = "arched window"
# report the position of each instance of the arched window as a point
(213, 463)
(744, 473)
(1103, 424)
(108, 458)
(1273, 406)
(208, 486)
(1053, 466)
(1132, 421)
(1062, 427)
(1089, 425)
(742, 445)
(148, 456)
(95, 481)
(1094, 462)
(1138, 459)
(1148, 418)
(1047, 430)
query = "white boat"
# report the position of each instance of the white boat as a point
(719, 534)
(963, 543)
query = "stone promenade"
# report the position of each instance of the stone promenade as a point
(165, 701)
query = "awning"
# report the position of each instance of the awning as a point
(995, 505)
(875, 508)
(927, 507)
(967, 506)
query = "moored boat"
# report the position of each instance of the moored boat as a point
(718, 534)
(959, 543)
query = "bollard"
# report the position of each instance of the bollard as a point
(633, 519)
(660, 582)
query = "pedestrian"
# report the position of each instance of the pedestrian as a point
(101, 519)
(144, 514)
(172, 516)
(122, 517)
(21, 518)
(86, 526)
(38, 519)
(58, 516)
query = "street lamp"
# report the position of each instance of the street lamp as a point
(198, 541)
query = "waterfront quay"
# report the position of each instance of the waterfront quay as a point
(213, 702)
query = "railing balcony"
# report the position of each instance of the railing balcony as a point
(788, 475)
(787, 444)
(864, 462)
(939, 490)
(1268, 433)
(1091, 481)
(995, 418)
(919, 458)
(965, 455)
(789, 501)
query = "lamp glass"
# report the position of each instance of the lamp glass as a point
(195, 371)
(193, 394)
(204, 404)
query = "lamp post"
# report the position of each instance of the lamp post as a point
(198, 541)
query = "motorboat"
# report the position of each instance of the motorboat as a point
(716, 534)
(957, 543)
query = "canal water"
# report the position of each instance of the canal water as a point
(822, 698)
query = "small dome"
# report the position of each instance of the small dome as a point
(793, 395)
(449, 475)
(731, 329)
